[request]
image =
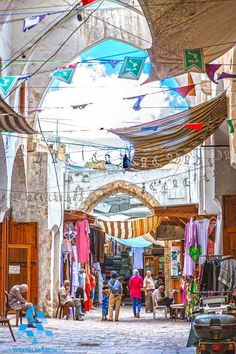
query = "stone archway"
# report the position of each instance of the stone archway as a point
(118, 187)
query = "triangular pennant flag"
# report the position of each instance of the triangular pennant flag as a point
(190, 82)
(193, 58)
(224, 75)
(87, 2)
(184, 90)
(132, 68)
(6, 83)
(65, 75)
(194, 126)
(137, 106)
(114, 63)
(70, 66)
(211, 70)
(32, 21)
(80, 106)
(231, 126)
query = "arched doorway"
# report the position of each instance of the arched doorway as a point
(119, 187)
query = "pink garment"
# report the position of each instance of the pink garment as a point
(82, 240)
(183, 293)
(202, 235)
(190, 236)
(135, 285)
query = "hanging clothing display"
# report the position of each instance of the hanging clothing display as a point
(227, 276)
(82, 240)
(202, 226)
(189, 237)
(97, 241)
(209, 274)
(138, 257)
(75, 271)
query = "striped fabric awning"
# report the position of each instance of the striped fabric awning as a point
(10, 121)
(130, 228)
(158, 142)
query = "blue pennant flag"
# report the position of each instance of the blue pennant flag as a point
(6, 83)
(32, 21)
(137, 106)
(65, 75)
(114, 63)
(132, 68)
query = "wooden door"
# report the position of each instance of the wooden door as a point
(229, 226)
(19, 266)
(4, 232)
(23, 253)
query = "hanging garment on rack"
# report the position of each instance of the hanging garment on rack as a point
(219, 234)
(189, 237)
(69, 231)
(75, 270)
(202, 226)
(227, 277)
(97, 242)
(82, 240)
(137, 257)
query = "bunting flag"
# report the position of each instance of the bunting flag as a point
(132, 68)
(87, 2)
(114, 63)
(6, 83)
(70, 66)
(65, 75)
(32, 21)
(80, 106)
(211, 70)
(137, 106)
(231, 126)
(224, 75)
(158, 142)
(194, 126)
(193, 58)
(190, 82)
(184, 90)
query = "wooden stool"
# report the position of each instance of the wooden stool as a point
(176, 310)
(4, 321)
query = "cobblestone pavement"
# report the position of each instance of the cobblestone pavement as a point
(92, 336)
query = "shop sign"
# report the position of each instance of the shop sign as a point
(14, 269)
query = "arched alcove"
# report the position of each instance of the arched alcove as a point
(118, 187)
(18, 200)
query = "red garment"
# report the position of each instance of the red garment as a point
(92, 281)
(82, 240)
(87, 304)
(135, 285)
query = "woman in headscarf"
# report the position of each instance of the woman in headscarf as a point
(135, 285)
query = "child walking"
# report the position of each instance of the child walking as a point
(105, 302)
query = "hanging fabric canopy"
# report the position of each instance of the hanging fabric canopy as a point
(133, 242)
(178, 25)
(130, 228)
(10, 121)
(158, 142)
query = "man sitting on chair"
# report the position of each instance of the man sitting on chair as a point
(65, 299)
(17, 302)
(160, 296)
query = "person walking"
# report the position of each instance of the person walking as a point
(135, 285)
(149, 287)
(115, 296)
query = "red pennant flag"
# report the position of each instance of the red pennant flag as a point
(211, 70)
(190, 82)
(184, 90)
(194, 126)
(87, 2)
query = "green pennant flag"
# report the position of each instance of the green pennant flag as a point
(194, 58)
(231, 126)
(6, 83)
(65, 75)
(132, 68)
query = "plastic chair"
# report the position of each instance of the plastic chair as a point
(157, 307)
(65, 309)
(18, 313)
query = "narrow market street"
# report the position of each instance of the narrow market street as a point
(92, 336)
